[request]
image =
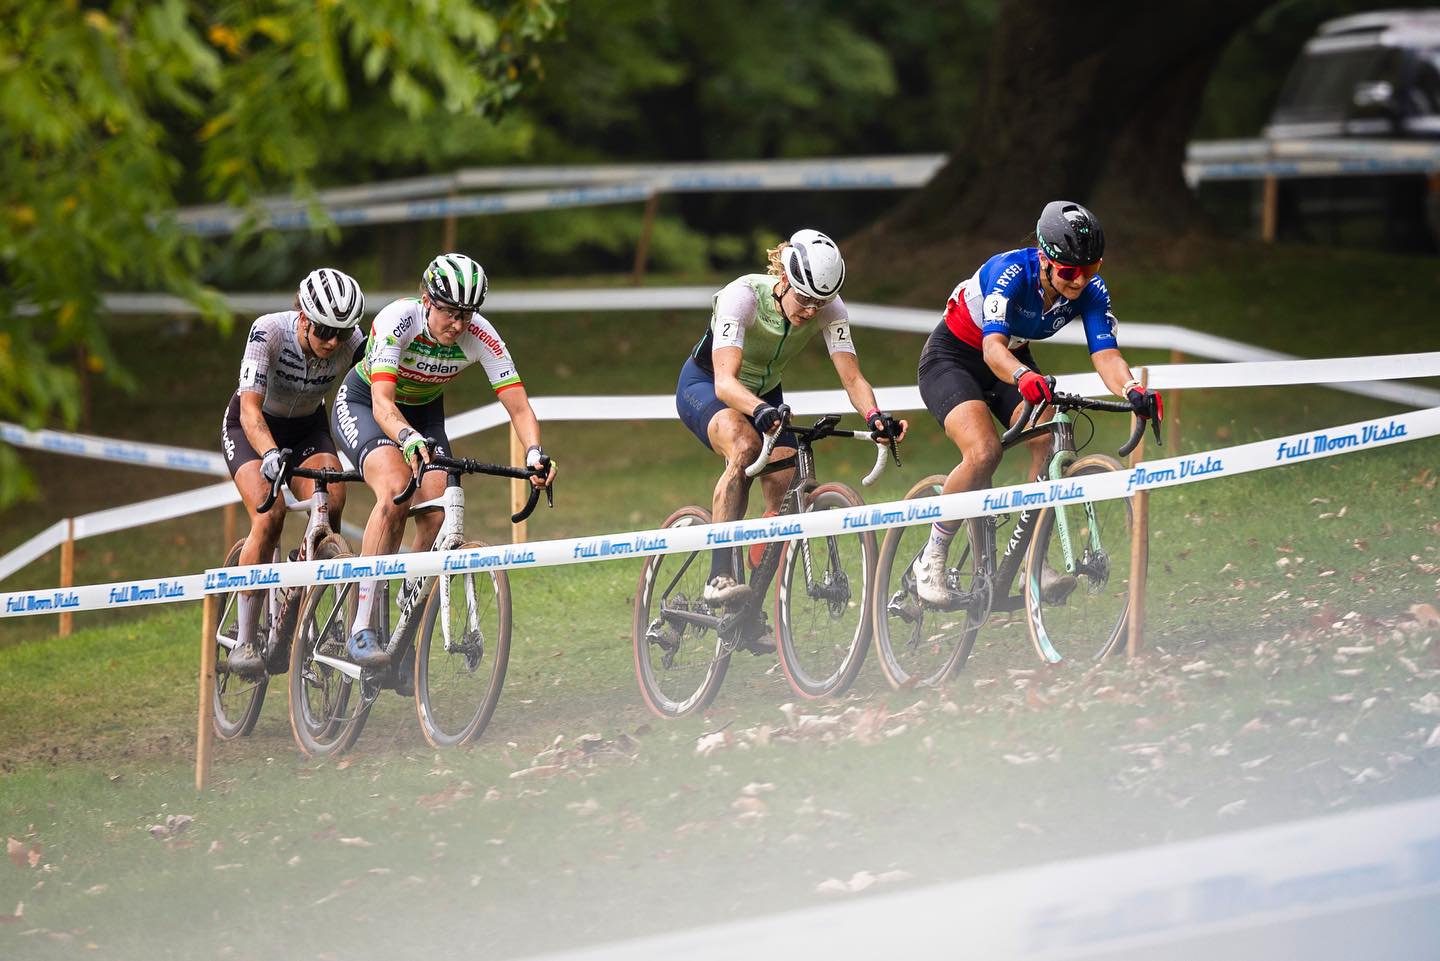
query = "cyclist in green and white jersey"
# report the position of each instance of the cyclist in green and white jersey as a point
(729, 390)
(389, 410)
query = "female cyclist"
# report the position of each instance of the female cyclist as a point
(977, 362)
(729, 388)
(390, 408)
(291, 359)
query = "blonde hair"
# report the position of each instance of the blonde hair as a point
(776, 269)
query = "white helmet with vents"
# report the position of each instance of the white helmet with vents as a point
(456, 281)
(332, 298)
(813, 265)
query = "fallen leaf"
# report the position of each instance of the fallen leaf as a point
(1426, 614)
(356, 842)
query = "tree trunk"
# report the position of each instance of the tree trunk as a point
(1092, 103)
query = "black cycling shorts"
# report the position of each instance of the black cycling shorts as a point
(952, 372)
(358, 433)
(305, 436)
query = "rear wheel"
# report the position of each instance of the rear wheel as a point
(822, 604)
(679, 661)
(237, 698)
(1088, 619)
(325, 704)
(918, 644)
(462, 651)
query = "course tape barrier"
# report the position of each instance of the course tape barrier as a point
(423, 198)
(1321, 157)
(1364, 883)
(1147, 476)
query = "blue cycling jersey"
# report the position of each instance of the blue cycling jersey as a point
(1004, 297)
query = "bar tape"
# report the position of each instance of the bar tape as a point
(1149, 475)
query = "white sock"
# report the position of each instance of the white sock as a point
(940, 539)
(364, 597)
(249, 616)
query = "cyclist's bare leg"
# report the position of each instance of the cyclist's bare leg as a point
(336, 491)
(259, 548)
(388, 475)
(774, 485)
(970, 427)
(427, 525)
(732, 437)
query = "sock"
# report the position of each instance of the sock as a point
(940, 537)
(249, 616)
(364, 596)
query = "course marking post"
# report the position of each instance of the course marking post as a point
(67, 573)
(518, 494)
(642, 246)
(205, 733)
(1269, 208)
(1139, 550)
(1172, 411)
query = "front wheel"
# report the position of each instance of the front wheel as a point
(237, 698)
(1077, 594)
(679, 659)
(919, 644)
(325, 704)
(461, 655)
(822, 606)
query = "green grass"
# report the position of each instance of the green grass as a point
(1286, 677)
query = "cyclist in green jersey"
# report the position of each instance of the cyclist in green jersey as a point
(729, 391)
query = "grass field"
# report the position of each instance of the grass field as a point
(1292, 671)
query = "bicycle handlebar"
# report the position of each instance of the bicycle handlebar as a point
(464, 465)
(824, 427)
(1062, 401)
(276, 484)
(322, 474)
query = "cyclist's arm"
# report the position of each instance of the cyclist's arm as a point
(527, 426)
(996, 350)
(728, 388)
(1112, 370)
(387, 412)
(857, 388)
(252, 421)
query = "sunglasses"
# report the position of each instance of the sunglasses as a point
(806, 302)
(1071, 273)
(324, 332)
(453, 313)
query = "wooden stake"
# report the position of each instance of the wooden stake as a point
(1269, 209)
(518, 493)
(1139, 551)
(67, 574)
(204, 735)
(1172, 410)
(642, 247)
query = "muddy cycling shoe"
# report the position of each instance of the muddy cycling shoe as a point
(725, 590)
(364, 649)
(758, 644)
(401, 678)
(930, 580)
(245, 660)
(1054, 586)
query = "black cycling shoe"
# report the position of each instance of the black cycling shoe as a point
(364, 649)
(245, 661)
(405, 674)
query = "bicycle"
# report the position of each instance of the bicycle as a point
(920, 644)
(683, 647)
(238, 698)
(456, 686)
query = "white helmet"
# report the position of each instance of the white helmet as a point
(813, 264)
(456, 281)
(332, 298)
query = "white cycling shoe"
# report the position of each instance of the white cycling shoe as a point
(930, 581)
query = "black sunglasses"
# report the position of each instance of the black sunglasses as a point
(323, 332)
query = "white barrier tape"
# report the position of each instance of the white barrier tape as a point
(1151, 475)
(1269, 892)
(118, 451)
(95, 597)
(840, 173)
(36, 547)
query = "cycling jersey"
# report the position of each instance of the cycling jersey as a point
(276, 367)
(747, 315)
(401, 350)
(1004, 297)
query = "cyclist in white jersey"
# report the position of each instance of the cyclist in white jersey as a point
(729, 389)
(291, 360)
(390, 409)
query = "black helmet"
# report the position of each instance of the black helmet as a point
(1070, 234)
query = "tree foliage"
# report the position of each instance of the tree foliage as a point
(109, 112)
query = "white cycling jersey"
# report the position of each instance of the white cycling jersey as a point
(276, 367)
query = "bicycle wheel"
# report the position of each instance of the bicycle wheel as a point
(920, 645)
(1092, 616)
(680, 664)
(237, 699)
(326, 714)
(461, 654)
(822, 604)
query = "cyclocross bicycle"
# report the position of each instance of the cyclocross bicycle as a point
(822, 626)
(237, 697)
(919, 643)
(456, 672)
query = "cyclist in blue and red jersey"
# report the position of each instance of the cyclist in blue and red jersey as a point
(977, 362)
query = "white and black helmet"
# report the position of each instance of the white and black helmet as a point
(332, 298)
(456, 281)
(813, 264)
